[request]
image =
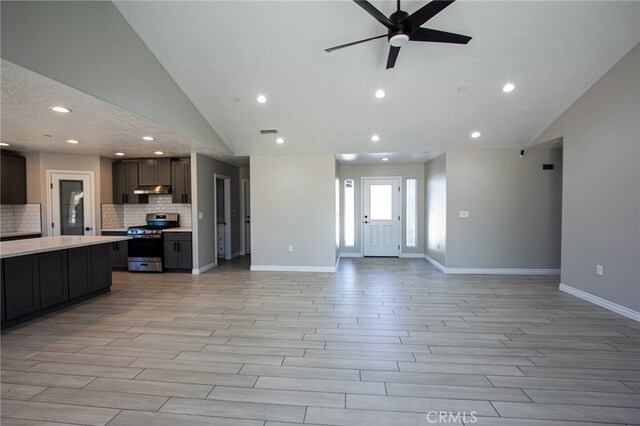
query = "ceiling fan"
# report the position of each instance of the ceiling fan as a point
(403, 28)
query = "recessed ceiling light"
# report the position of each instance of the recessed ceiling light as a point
(261, 99)
(72, 141)
(385, 159)
(508, 87)
(280, 140)
(4, 144)
(380, 93)
(475, 134)
(59, 109)
(375, 138)
(148, 138)
(158, 153)
(119, 154)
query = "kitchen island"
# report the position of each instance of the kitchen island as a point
(41, 275)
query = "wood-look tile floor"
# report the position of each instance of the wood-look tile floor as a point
(381, 342)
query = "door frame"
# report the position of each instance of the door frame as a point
(400, 211)
(244, 185)
(88, 197)
(227, 214)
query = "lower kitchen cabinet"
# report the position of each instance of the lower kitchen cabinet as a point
(177, 250)
(100, 267)
(79, 273)
(119, 251)
(22, 286)
(54, 282)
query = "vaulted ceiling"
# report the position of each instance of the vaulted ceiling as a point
(223, 54)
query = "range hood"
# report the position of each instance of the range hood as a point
(153, 190)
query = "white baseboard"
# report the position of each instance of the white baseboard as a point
(614, 307)
(501, 271)
(412, 255)
(350, 254)
(198, 271)
(282, 268)
(435, 263)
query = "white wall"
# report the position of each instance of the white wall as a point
(406, 171)
(514, 209)
(601, 203)
(436, 209)
(293, 203)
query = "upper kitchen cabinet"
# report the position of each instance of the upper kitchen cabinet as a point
(125, 181)
(181, 181)
(14, 179)
(154, 171)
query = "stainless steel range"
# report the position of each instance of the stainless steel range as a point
(146, 246)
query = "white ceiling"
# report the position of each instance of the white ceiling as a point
(224, 53)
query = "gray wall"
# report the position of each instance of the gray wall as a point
(88, 45)
(293, 203)
(357, 172)
(436, 209)
(203, 171)
(601, 203)
(514, 208)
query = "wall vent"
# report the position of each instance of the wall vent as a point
(547, 167)
(268, 132)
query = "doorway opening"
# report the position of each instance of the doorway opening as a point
(222, 207)
(70, 202)
(382, 216)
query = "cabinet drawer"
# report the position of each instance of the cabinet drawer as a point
(177, 236)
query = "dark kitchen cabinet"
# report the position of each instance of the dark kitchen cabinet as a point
(89, 269)
(13, 187)
(181, 181)
(154, 171)
(125, 181)
(119, 251)
(54, 282)
(100, 267)
(22, 286)
(177, 250)
(79, 272)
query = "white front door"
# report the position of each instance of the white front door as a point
(71, 203)
(381, 216)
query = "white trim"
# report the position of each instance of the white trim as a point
(282, 268)
(435, 263)
(412, 255)
(198, 271)
(501, 271)
(614, 307)
(350, 254)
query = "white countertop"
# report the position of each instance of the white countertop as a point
(114, 230)
(180, 229)
(44, 244)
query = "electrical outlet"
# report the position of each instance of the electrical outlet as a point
(464, 214)
(599, 270)
(290, 248)
(200, 215)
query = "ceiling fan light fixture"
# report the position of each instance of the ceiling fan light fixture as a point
(399, 40)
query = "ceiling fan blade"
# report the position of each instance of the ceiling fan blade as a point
(331, 49)
(371, 10)
(426, 34)
(422, 15)
(393, 55)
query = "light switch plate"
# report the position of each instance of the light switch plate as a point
(464, 214)
(200, 215)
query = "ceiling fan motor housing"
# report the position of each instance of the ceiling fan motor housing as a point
(400, 36)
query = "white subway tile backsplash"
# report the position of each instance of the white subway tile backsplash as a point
(124, 215)
(20, 218)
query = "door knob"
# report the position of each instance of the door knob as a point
(88, 229)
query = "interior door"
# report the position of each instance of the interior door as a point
(381, 216)
(71, 203)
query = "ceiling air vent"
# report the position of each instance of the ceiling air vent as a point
(268, 132)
